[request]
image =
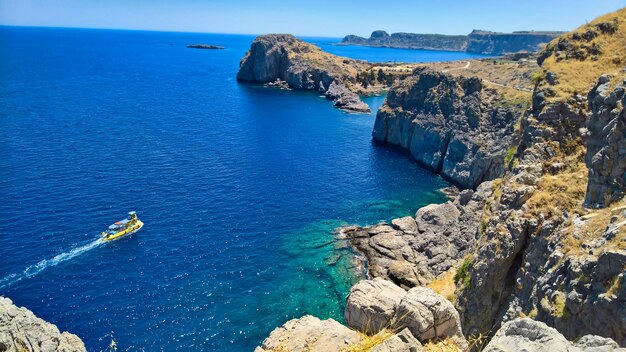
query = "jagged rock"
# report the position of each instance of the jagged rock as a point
(529, 335)
(414, 251)
(310, 334)
(345, 99)
(302, 66)
(406, 224)
(371, 305)
(428, 315)
(593, 343)
(444, 124)
(403, 341)
(606, 143)
(21, 330)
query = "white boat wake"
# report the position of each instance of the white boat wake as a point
(47, 263)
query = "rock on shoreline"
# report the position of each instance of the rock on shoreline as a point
(21, 330)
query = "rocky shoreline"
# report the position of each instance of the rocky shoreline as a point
(531, 253)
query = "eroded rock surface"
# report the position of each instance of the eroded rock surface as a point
(606, 143)
(530, 335)
(371, 305)
(310, 334)
(403, 341)
(21, 330)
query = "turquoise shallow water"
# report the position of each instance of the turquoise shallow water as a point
(240, 188)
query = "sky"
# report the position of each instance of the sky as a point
(328, 18)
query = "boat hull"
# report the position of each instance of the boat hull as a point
(124, 233)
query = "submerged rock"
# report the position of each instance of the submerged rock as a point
(21, 330)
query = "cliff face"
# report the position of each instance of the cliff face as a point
(21, 330)
(410, 41)
(303, 66)
(485, 42)
(450, 125)
(482, 42)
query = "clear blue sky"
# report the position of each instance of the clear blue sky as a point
(332, 18)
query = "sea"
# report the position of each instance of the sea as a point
(241, 188)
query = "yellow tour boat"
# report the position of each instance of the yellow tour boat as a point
(122, 228)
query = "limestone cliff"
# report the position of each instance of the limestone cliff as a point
(451, 125)
(21, 330)
(303, 66)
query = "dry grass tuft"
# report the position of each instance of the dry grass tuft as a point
(445, 345)
(444, 285)
(368, 342)
(563, 191)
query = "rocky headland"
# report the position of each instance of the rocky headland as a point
(478, 41)
(530, 255)
(21, 330)
(284, 61)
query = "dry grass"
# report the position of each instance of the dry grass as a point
(444, 285)
(563, 191)
(594, 227)
(445, 345)
(577, 77)
(368, 342)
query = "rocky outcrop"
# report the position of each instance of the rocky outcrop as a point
(303, 66)
(428, 315)
(343, 98)
(371, 305)
(486, 42)
(21, 330)
(606, 143)
(483, 42)
(529, 335)
(310, 334)
(451, 125)
(374, 305)
(413, 251)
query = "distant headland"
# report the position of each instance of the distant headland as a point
(479, 41)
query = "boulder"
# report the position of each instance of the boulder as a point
(428, 315)
(371, 305)
(310, 334)
(21, 330)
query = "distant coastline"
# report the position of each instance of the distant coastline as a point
(478, 41)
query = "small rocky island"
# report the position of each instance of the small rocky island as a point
(205, 46)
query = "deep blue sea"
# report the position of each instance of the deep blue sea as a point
(240, 188)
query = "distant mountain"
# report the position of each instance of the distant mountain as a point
(478, 41)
